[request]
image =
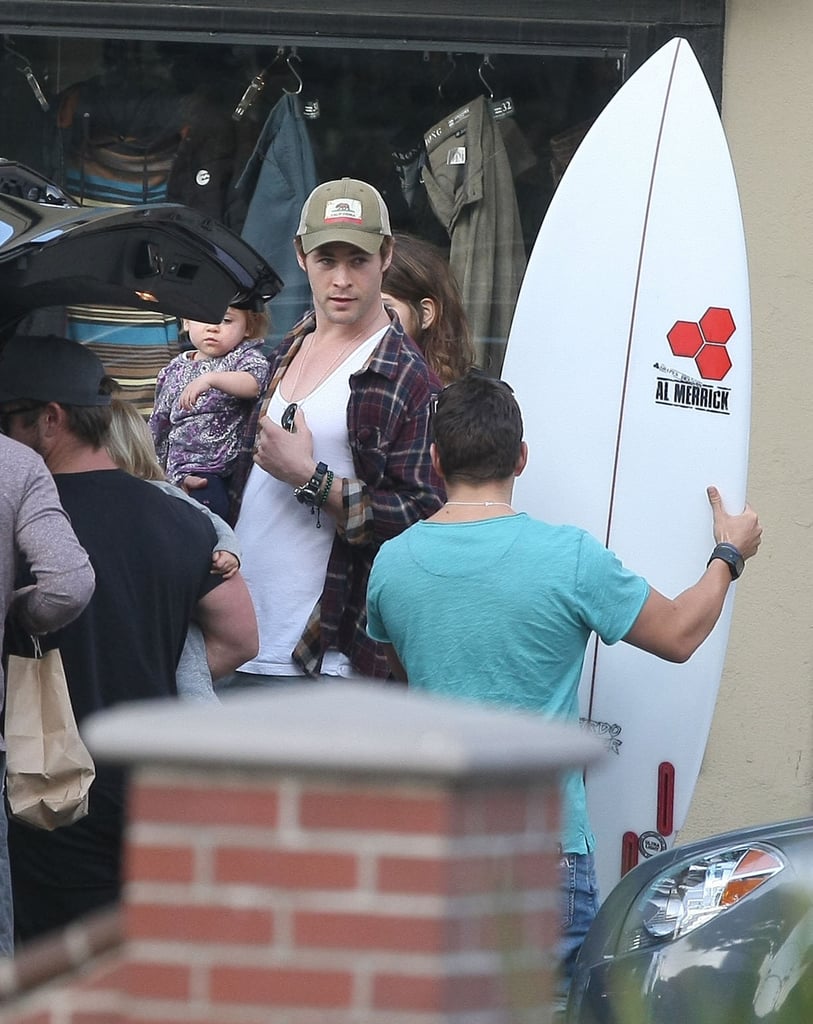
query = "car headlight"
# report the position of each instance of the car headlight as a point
(693, 892)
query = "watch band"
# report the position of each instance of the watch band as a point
(309, 492)
(729, 554)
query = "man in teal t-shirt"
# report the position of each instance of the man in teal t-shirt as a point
(485, 604)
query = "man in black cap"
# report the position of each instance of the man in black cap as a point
(152, 559)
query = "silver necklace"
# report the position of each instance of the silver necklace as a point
(287, 420)
(487, 504)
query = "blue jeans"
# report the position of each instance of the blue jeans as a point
(215, 495)
(578, 892)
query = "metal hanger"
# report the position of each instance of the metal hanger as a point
(485, 63)
(255, 87)
(499, 108)
(454, 65)
(310, 107)
(25, 69)
(294, 56)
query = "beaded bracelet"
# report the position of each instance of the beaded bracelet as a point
(329, 477)
(322, 498)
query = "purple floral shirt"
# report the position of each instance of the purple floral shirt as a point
(206, 438)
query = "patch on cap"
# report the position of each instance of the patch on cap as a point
(343, 211)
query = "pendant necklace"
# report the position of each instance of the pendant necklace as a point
(287, 419)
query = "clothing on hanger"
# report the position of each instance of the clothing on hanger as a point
(26, 127)
(276, 181)
(469, 179)
(212, 152)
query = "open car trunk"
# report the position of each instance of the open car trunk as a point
(162, 257)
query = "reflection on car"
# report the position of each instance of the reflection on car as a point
(719, 931)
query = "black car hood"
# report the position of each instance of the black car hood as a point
(162, 257)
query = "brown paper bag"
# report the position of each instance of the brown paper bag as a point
(49, 769)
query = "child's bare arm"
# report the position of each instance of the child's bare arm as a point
(238, 383)
(225, 563)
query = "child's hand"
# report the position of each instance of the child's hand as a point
(192, 392)
(225, 563)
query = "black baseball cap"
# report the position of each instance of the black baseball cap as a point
(50, 369)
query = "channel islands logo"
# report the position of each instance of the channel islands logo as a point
(706, 342)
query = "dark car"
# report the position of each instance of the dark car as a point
(161, 257)
(719, 931)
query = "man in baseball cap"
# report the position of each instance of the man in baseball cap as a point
(36, 371)
(336, 457)
(152, 558)
(344, 211)
(51, 369)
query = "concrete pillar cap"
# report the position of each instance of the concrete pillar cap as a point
(347, 726)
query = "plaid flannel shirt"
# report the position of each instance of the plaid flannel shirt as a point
(388, 431)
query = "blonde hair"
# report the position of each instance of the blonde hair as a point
(130, 443)
(257, 323)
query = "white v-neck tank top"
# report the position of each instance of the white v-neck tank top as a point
(284, 555)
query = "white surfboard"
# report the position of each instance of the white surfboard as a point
(630, 356)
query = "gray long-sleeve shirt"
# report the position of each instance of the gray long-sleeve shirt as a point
(35, 532)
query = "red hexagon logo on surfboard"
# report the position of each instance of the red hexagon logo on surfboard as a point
(705, 341)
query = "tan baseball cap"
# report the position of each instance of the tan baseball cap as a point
(347, 210)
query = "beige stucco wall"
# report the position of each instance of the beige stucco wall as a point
(758, 764)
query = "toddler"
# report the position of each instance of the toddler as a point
(202, 399)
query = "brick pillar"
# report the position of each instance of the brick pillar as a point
(337, 854)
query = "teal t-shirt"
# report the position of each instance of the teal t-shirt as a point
(500, 611)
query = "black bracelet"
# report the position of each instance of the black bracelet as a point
(731, 555)
(320, 501)
(309, 492)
